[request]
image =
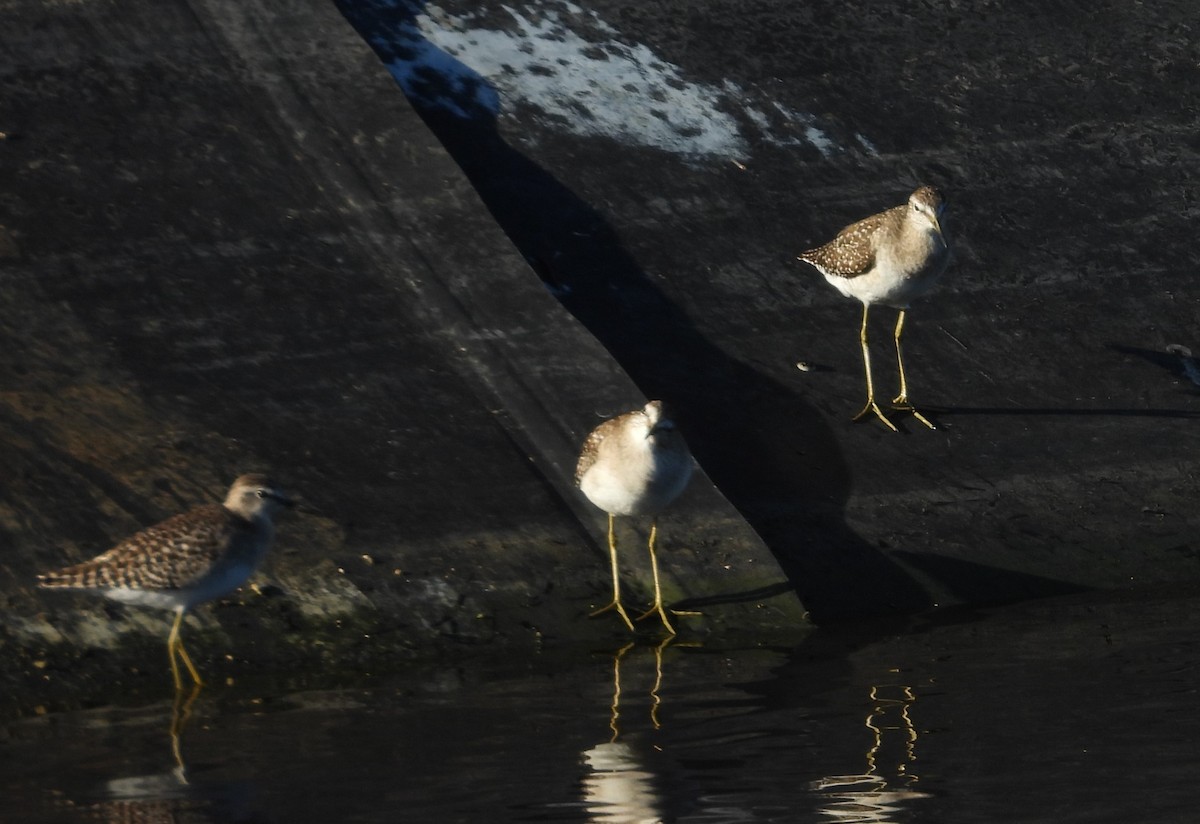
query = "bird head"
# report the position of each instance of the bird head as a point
(657, 419)
(255, 495)
(927, 203)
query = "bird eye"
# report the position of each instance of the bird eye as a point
(262, 493)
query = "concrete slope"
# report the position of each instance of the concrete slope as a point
(664, 163)
(231, 245)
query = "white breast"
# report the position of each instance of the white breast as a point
(634, 488)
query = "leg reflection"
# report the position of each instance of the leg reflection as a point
(880, 793)
(615, 714)
(655, 697)
(621, 783)
(883, 719)
(181, 713)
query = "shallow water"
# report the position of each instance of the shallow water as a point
(1067, 711)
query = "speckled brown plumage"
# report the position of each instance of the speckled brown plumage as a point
(174, 554)
(591, 447)
(633, 465)
(890, 258)
(186, 560)
(852, 253)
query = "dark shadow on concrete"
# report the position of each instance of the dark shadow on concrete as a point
(764, 447)
(734, 597)
(1177, 360)
(1060, 411)
(979, 584)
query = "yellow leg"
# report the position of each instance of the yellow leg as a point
(901, 400)
(616, 601)
(657, 606)
(866, 352)
(175, 648)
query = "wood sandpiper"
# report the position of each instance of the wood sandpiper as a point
(890, 258)
(197, 556)
(635, 465)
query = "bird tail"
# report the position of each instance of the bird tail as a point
(80, 576)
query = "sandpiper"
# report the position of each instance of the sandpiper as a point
(890, 258)
(193, 557)
(634, 465)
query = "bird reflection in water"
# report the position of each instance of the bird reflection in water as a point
(622, 785)
(879, 793)
(181, 713)
(169, 796)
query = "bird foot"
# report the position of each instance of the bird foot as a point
(874, 407)
(615, 605)
(653, 610)
(661, 612)
(901, 404)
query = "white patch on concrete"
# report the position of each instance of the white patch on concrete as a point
(599, 86)
(867, 145)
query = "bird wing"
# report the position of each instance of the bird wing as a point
(591, 447)
(169, 555)
(852, 252)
